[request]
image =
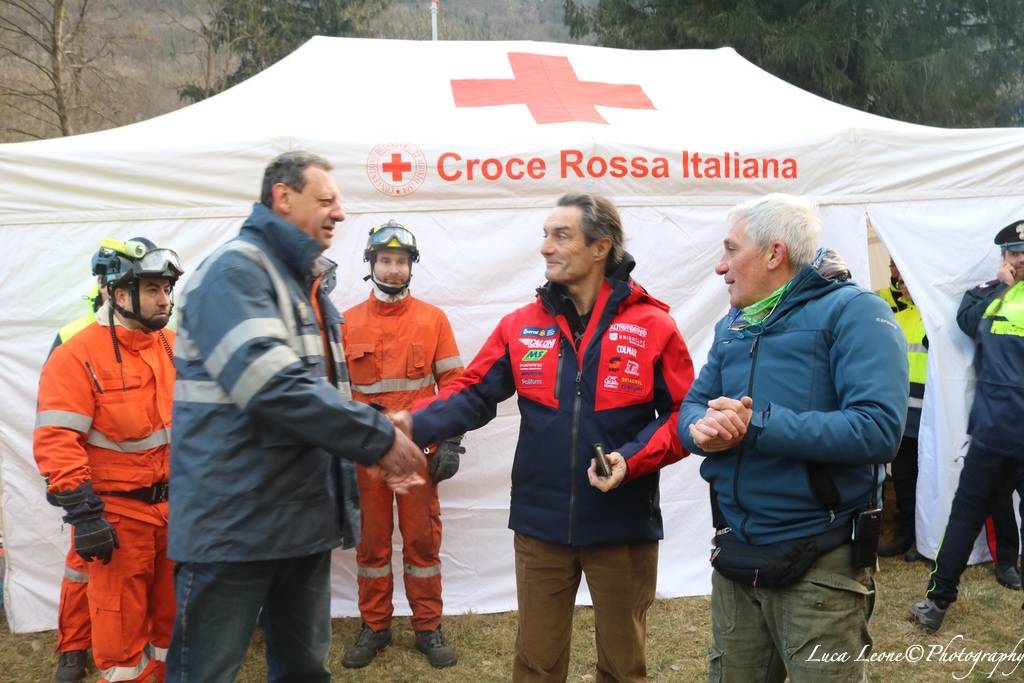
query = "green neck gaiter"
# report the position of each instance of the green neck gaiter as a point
(756, 313)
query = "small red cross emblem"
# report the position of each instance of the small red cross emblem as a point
(548, 86)
(396, 167)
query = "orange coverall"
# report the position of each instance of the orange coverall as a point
(109, 423)
(397, 353)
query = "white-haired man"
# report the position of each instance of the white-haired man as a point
(800, 405)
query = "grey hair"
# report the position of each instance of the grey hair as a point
(600, 219)
(782, 218)
(289, 168)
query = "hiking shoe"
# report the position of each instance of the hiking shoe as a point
(1007, 575)
(366, 647)
(70, 667)
(434, 645)
(928, 613)
(899, 544)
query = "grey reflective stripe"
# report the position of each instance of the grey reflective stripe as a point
(312, 345)
(423, 572)
(183, 346)
(238, 336)
(63, 418)
(373, 572)
(75, 576)
(159, 653)
(446, 364)
(914, 402)
(259, 372)
(199, 391)
(916, 348)
(127, 673)
(345, 389)
(158, 438)
(386, 385)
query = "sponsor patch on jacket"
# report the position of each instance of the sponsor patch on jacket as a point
(538, 332)
(632, 368)
(534, 354)
(531, 369)
(626, 338)
(628, 328)
(538, 343)
(614, 364)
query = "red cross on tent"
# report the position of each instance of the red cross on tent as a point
(397, 167)
(548, 86)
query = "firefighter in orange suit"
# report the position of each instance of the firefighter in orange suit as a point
(73, 631)
(399, 349)
(101, 441)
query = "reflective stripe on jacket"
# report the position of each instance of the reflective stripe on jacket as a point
(103, 421)
(909, 320)
(263, 443)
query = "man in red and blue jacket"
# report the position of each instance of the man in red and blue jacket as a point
(595, 360)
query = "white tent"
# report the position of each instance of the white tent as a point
(470, 144)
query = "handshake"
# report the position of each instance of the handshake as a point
(401, 465)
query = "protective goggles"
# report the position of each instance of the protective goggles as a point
(159, 263)
(390, 236)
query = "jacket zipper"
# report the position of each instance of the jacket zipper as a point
(739, 459)
(577, 403)
(558, 369)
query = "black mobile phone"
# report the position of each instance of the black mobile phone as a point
(604, 470)
(867, 527)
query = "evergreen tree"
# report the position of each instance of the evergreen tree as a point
(929, 61)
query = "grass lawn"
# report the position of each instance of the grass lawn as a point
(987, 619)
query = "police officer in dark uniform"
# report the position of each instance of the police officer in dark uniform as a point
(992, 314)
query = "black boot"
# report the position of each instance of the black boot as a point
(71, 667)
(368, 644)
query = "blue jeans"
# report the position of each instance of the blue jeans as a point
(220, 602)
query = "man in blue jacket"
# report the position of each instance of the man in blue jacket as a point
(265, 439)
(801, 403)
(993, 315)
(594, 359)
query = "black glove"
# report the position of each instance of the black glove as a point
(445, 462)
(94, 537)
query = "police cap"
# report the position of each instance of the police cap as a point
(1011, 237)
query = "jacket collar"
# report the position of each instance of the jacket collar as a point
(298, 251)
(133, 340)
(392, 307)
(808, 284)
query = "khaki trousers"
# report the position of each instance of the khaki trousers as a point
(814, 631)
(621, 579)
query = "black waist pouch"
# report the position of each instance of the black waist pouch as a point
(775, 565)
